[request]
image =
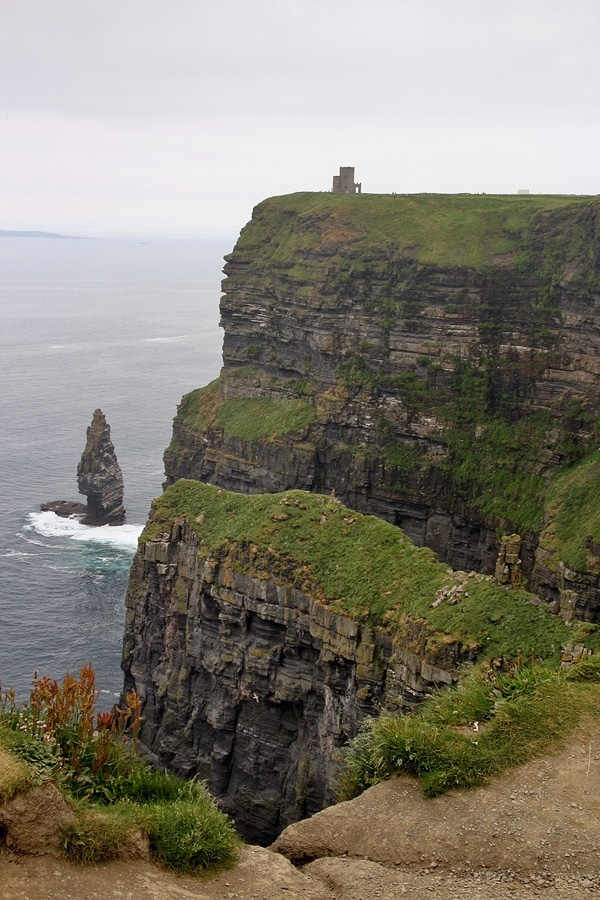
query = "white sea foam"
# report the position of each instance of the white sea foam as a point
(48, 524)
(15, 554)
(165, 340)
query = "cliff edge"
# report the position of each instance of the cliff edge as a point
(261, 631)
(534, 832)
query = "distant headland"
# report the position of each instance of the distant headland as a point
(40, 234)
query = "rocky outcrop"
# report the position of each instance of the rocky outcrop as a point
(568, 593)
(453, 370)
(32, 822)
(99, 476)
(249, 677)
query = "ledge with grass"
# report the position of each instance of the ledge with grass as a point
(263, 630)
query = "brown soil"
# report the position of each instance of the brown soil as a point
(532, 833)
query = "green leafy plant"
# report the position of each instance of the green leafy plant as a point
(92, 757)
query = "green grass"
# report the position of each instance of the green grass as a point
(248, 419)
(197, 408)
(450, 229)
(358, 565)
(521, 714)
(572, 517)
(256, 419)
(15, 775)
(57, 736)
(191, 835)
(100, 834)
(186, 833)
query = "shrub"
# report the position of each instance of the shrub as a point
(58, 735)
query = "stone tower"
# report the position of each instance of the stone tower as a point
(344, 182)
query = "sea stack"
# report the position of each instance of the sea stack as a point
(99, 476)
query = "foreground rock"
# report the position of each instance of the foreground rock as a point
(536, 822)
(533, 833)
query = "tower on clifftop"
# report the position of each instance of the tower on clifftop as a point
(344, 182)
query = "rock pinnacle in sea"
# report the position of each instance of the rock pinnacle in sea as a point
(99, 475)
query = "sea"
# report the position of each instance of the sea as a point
(128, 326)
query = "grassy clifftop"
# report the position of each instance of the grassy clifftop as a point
(462, 230)
(360, 566)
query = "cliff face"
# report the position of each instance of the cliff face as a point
(442, 356)
(261, 631)
(255, 686)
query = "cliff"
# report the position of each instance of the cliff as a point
(261, 630)
(433, 359)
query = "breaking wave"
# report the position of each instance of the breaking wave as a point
(48, 524)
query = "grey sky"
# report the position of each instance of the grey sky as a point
(175, 117)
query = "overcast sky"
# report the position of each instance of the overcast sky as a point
(175, 117)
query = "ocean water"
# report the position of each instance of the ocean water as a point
(123, 325)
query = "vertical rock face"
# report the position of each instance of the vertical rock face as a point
(254, 685)
(448, 348)
(99, 475)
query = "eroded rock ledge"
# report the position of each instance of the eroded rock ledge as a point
(261, 631)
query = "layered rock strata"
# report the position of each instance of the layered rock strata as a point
(253, 683)
(99, 476)
(451, 360)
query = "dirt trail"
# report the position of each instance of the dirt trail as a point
(532, 833)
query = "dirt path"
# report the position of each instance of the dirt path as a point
(532, 833)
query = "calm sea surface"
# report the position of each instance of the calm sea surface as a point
(122, 325)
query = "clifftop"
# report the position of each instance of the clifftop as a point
(473, 231)
(356, 566)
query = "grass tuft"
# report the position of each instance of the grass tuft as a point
(99, 835)
(191, 835)
(15, 775)
(466, 735)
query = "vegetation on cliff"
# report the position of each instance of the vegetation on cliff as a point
(360, 566)
(490, 722)
(468, 230)
(572, 518)
(57, 736)
(252, 419)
